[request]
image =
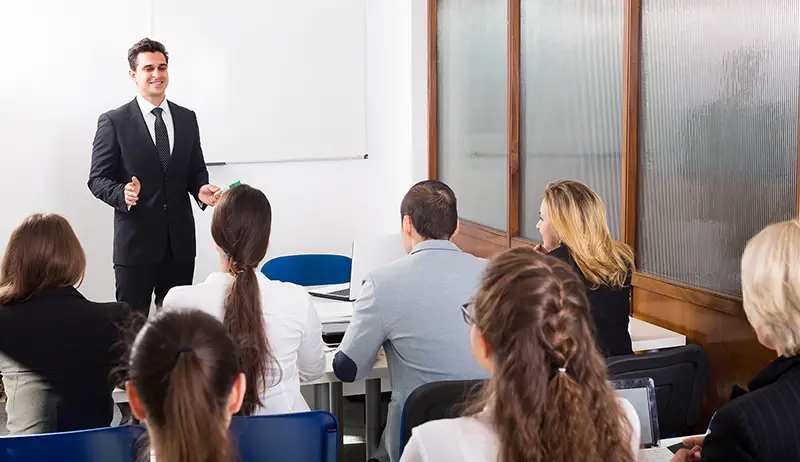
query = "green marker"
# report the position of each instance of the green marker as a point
(235, 183)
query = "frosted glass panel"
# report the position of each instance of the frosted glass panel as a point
(472, 107)
(718, 133)
(571, 72)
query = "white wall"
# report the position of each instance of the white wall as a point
(50, 101)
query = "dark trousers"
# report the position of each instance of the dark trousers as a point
(137, 284)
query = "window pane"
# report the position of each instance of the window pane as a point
(571, 71)
(472, 107)
(718, 133)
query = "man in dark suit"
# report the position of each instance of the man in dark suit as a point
(146, 161)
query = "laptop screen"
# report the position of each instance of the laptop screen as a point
(641, 393)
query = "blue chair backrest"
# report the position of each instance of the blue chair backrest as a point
(112, 444)
(309, 269)
(300, 437)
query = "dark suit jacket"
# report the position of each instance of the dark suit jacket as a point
(162, 218)
(57, 354)
(611, 309)
(762, 425)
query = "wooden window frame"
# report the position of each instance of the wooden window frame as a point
(490, 240)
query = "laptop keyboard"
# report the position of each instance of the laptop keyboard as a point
(341, 293)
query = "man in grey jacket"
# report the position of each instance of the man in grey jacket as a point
(412, 307)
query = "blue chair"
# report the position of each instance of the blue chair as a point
(111, 444)
(301, 437)
(309, 269)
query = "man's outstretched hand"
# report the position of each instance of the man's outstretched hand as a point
(208, 194)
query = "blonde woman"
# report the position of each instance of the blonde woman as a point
(572, 222)
(762, 425)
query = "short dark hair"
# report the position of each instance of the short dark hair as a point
(145, 45)
(431, 205)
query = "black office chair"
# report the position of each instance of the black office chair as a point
(434, 401)
(680, 376)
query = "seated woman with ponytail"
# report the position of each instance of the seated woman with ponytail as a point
(274, 324)
(572, 222)
(185, 384)
(548, 397)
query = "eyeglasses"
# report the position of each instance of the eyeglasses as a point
(465, 311)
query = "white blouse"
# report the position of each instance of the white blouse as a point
(473, 439)
(293, 329)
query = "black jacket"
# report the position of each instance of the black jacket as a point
(58, 353)
(162, 218)
(762, 425)
(611, 309)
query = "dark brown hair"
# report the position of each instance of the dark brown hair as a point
(241, 227)
(145, 45)
(183, 366)
(431, 205)
(533, 312)
(43, 253)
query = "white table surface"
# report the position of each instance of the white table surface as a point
(644, 336)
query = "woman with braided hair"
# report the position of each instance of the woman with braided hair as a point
(548, 398)
(274, 323)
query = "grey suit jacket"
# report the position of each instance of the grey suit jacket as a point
(412, 308)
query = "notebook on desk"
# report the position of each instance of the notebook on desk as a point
(641, 393)
(367, 255)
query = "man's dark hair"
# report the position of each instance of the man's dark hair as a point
(145, 45)
(431, 205)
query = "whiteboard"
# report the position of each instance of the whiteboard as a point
(270, 80)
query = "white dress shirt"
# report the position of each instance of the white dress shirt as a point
(294, 332)
(150, 119)
(474, 439)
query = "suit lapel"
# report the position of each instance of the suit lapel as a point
(181, 145)
(139, 128)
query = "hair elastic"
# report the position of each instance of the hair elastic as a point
(562, 370)
(183, 349)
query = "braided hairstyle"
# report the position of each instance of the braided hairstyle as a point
(549, 397)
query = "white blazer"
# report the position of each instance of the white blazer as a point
(293, 329)
(473, 439)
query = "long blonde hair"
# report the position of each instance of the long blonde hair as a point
(578, 216)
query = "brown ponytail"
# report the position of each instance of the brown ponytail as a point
(193, 433)
(549, 397)
(241, 227)
(183, 366)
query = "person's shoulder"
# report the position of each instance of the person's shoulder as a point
(632, 417)
(392, 270)
(287, 292)
(472, 424)
(450, 432)
(177, 109)
(782, 394)
(206, 293)
(120, 112)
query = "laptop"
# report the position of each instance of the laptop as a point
(641, 393)
(368, 255)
